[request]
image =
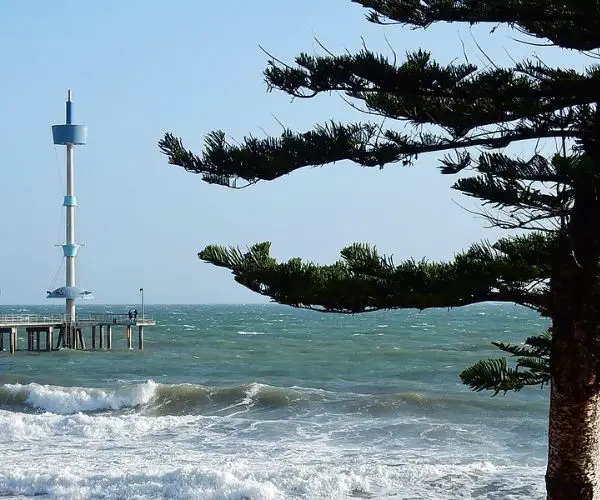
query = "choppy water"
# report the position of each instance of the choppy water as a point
(267, 402)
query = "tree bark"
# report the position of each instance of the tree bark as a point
(574, 424)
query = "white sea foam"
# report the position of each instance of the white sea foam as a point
(50, 426)
(251, 393)
(250, 333)
(264, 477)
(136, 456)
(185, 483)
(65, 400)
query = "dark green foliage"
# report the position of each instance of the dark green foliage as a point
(511, 270)
(532, 367)
(566, 23)
(454, 110)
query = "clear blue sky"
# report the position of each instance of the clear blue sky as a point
(139, 69)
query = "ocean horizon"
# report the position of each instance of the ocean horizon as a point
(262, 401)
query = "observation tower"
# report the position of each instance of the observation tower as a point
(70, 135)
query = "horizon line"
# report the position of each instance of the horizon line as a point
(148, 304)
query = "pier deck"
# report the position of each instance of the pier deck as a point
(70, 333)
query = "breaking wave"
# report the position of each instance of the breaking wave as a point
(151, 398)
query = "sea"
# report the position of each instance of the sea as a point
(264, 402)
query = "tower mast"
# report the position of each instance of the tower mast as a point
(70, 202)
(69, 135)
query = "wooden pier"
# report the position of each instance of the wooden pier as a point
(70, 334)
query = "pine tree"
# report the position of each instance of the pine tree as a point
(551, 267)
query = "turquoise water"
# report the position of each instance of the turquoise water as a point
(268, 402)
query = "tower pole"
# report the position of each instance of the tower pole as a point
(70, 226)
(69, 135)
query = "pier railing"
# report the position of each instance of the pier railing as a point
(88, 319)
(115, 319)
(24, 319)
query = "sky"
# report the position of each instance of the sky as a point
(140, 69)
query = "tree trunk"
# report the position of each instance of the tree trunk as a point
(574, 424)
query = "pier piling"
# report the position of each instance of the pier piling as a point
(3, 331)
(49, 338)
(13, 340)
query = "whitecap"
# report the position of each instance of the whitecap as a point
(66, 400)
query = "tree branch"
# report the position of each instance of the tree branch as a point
(365, 281)
(566, 23)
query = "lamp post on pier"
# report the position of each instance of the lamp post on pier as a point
(142, 295)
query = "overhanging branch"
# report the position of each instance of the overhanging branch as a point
(362, 143)
(364, 281)
(566, 23)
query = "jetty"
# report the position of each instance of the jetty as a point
(40, 331)
(71, 326)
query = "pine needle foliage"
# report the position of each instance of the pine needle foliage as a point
(467, 115)
(532, 367)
